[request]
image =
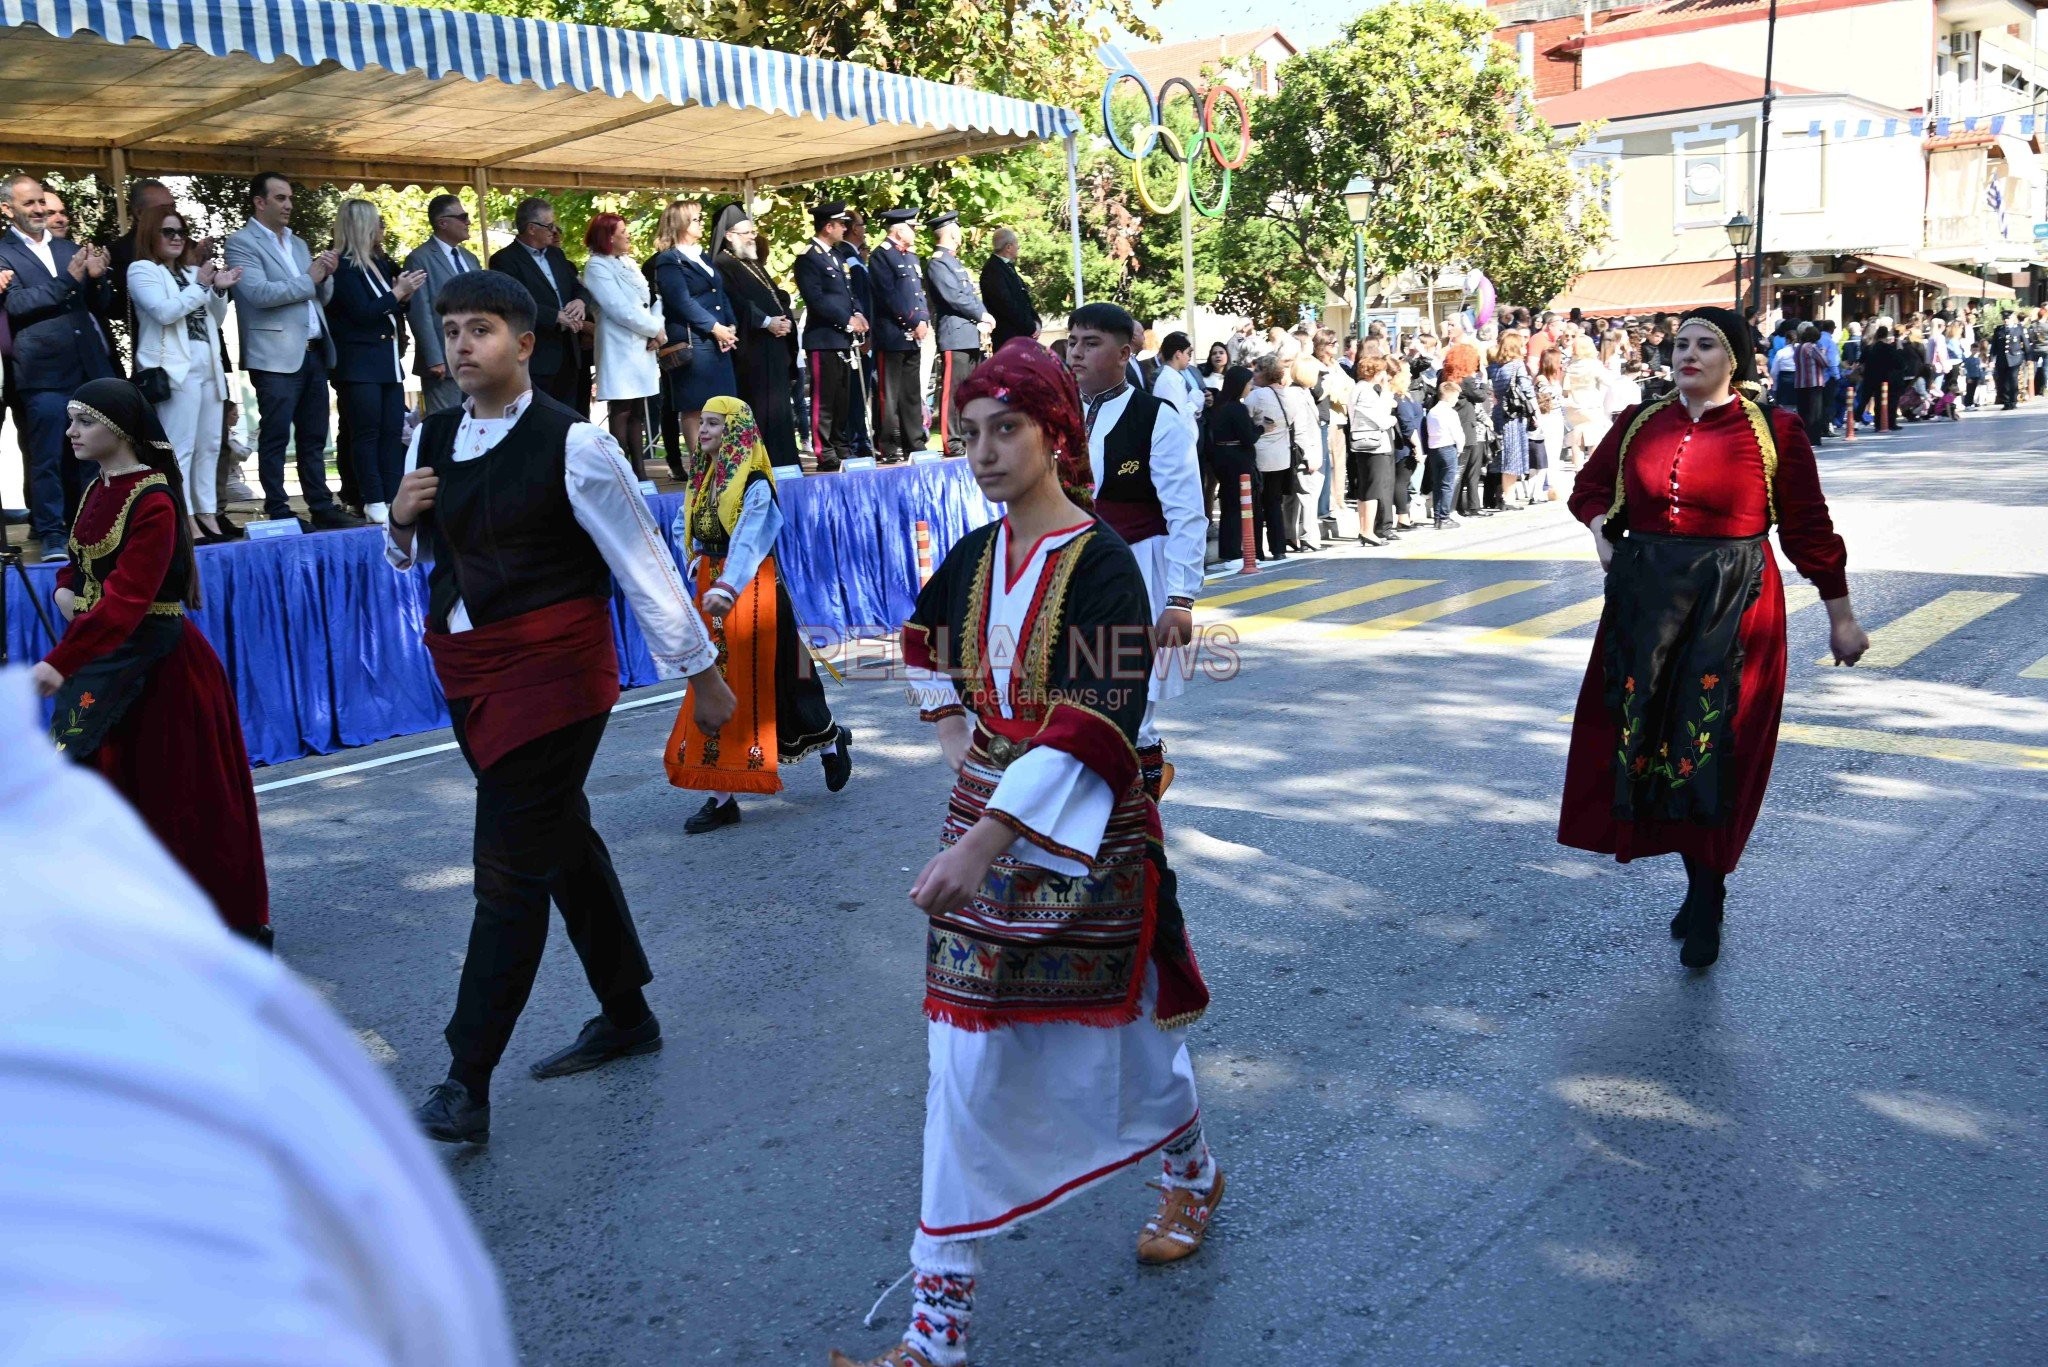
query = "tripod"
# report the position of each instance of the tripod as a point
(10, 558)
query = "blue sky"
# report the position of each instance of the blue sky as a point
(1306, 21)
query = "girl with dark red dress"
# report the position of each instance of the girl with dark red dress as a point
(140, 695)
(1677, 720)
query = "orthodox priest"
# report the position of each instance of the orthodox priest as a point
(1677, 721)
(1148, 487)
(527, 514)
(730, 521)
(765, 359)
(1059, 980)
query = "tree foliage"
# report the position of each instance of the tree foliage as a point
(1417, 96)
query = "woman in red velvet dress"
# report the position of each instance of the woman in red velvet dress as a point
(140, 695)
(1677, 720)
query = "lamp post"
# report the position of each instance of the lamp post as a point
(1739, 229)
(1763, 155)
(1358, 200)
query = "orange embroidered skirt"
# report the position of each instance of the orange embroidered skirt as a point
(741, 758)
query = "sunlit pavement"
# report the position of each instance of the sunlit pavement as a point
(1472, 1109)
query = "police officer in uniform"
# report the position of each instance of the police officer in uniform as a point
(832, 322)
(853, 254)
(902, 322)
(963, 325)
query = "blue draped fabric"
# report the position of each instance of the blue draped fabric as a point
(322, 641)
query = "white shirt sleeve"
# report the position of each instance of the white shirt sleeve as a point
(1177, 477)
(608, 505)
(760, 523)
(405, 560)
(1062, 804)
(931, 690)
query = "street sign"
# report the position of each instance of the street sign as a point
(2040, 231)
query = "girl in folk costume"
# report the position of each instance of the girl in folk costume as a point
(140, 695)
(1059, 980)
(730, 521)
(1677, 720)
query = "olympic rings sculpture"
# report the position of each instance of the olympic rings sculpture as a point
(1154, 136)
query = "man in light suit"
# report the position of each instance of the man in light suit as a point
(442, 257)
(286, 348)
(962, 324)
(57, 288)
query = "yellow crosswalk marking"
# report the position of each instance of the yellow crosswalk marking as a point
(1330, 602)
(1800, 596)
(1547, 625)
(2037, 670)
(1250, 591)
(1990, 754)
(1896, 642)
(1442, 607)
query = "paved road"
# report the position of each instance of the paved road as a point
(1472, 1109)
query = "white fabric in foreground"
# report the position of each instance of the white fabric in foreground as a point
(198, 1164)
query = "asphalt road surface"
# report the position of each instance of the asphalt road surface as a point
(1471, 1108)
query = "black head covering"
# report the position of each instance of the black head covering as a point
(722, 224)
(1735, 335)
(120, 406)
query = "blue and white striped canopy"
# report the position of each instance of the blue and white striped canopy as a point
(825, 117)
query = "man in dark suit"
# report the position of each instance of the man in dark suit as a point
(561, 361)
(832, 320)
(962, 324)
(902, 322)
(1004, 291)
(58, 346)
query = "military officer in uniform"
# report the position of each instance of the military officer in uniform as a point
(902, 322)
(962, 324)
(832, 323)
(853, 254)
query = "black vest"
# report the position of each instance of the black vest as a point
(1125, 498)
(504, 538)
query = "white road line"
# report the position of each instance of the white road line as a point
(421, 753)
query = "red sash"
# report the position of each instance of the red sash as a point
(529, 675)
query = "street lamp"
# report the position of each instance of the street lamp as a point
(1739, 229)
(1358, 200)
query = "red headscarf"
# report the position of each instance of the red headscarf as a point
(1030, 379)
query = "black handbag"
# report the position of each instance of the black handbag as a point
(675, 356)
(155, 384)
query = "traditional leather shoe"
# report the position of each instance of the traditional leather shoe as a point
(902, 1355)
(1703, 933)
(1684, 917)
(598, 1043)
(451, 1117)
(1177, 1231)
(838, 762)
(712, 815)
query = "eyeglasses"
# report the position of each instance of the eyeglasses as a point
(172, 232)
(460, 217)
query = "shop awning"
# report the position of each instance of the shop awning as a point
(1961, 284)
(1649, 289)
(329, 91)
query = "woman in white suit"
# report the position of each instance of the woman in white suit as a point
(179, 304)
(629, 330)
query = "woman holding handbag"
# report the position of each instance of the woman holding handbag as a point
(701, 327)
(179, 303)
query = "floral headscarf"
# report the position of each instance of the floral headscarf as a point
(720, 484)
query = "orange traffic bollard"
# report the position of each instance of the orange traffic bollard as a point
(1849, 416)
(924, 552)
(1247, 535)
(1884, 406)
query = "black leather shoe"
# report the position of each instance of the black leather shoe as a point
(336, 519)
(1684, 917)
(712, 815)
(451, 1117)
(838, 762)
(599, 1043)
(1703, 933)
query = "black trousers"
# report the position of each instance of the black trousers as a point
(1275, 494)
(832, 388)
(1230, 462)
(291, 412)
(373, 449)
(2007, 379)
(954, 368)
(570, 384)
(1472, 480)
(899, 407)
(534, 844)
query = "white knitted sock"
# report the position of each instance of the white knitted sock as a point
(942, 1298)
(1188, 1162)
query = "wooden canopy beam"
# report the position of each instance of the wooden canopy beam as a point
(653, 111)
(228, 104)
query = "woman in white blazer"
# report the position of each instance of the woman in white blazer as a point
(179, 303)
(629, 330)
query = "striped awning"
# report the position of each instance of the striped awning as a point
(333, 91)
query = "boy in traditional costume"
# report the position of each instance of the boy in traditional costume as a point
(527, 512)
(1059, 977)
(730, 521)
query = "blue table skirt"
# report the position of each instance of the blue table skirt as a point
(321, 638)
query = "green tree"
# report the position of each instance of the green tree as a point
(1417, 96)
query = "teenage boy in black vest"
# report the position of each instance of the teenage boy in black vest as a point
(1148, 488)
(526, 514)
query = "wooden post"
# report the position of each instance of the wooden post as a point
(480, 182)
(120, 177)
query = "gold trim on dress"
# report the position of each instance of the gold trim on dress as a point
(1759, 426)
(114, 534)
